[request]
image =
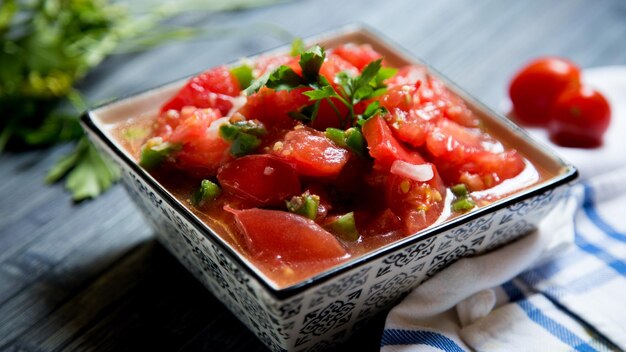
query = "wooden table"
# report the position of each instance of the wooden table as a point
(91, 276)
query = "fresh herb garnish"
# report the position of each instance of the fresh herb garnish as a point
(244, 136)
(207, 192)
(88, 173)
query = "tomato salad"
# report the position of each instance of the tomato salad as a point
(302, 161)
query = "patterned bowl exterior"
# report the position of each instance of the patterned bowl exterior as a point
(325, 314)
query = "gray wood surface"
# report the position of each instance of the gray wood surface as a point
(90, 276)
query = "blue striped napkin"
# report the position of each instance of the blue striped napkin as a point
(573, 298)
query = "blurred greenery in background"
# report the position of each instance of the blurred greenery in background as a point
(47, 46)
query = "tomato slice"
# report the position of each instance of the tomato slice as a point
(271, 235)
(384, 147)
(266, 64)
(463, 154)
(259, 180)
(358, 55)
(214, 88)
(203, 150)
(272, 107)
(312, 153)
(335, 64)
(418, 204)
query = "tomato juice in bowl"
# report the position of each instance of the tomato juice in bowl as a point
(296, 208)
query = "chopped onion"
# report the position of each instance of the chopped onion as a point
(420, 173)
(213, 131)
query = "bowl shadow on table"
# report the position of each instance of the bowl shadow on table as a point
(148, 300)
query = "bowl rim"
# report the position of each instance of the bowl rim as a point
(569, 174)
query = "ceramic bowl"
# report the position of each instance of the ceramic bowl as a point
(324, 310)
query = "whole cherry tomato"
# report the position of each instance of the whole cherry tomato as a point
(535, 87)
(579, 118)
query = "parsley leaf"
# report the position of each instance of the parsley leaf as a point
(284, 78)
(297, 47)
(311, 61)
(88, 172)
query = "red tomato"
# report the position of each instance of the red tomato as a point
(214, 88)
(384, 147)
(537, 85)
(312, 153)
(327, 117)
(459, 151)
(272, 107)
(579, 118)
(268, 63)
(378, 223)
(335, 64)
(418, 204)
(283, 236)
(260, 180)
(358, 55)
(203, 150)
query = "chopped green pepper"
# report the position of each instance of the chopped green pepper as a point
(243, 135)
(345, 227)
(459, 190)
(462, 204)
(305, 205)
(155, 151)
(208, 191)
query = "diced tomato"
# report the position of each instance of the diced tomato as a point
(203, 150)
(266, 64)
(418, 204)
(379, 223)
(312, 153)
(260, 180)
(272, 107)
(335, 64)
(384, 147)
(214, 88)
(460, 152)
(408, 75)
(272, 235)
(435, 94)
(328, 117)
(357, 55)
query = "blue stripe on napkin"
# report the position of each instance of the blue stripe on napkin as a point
(594, 216)
(419, 337)
(535, 314)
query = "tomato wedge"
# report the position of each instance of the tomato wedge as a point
(214, 88)
(384, 147)
(260, 180)
(312, 153)
(270, 235)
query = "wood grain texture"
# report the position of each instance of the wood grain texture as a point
(90, 276)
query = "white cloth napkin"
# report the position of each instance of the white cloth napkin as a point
(571, 293)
